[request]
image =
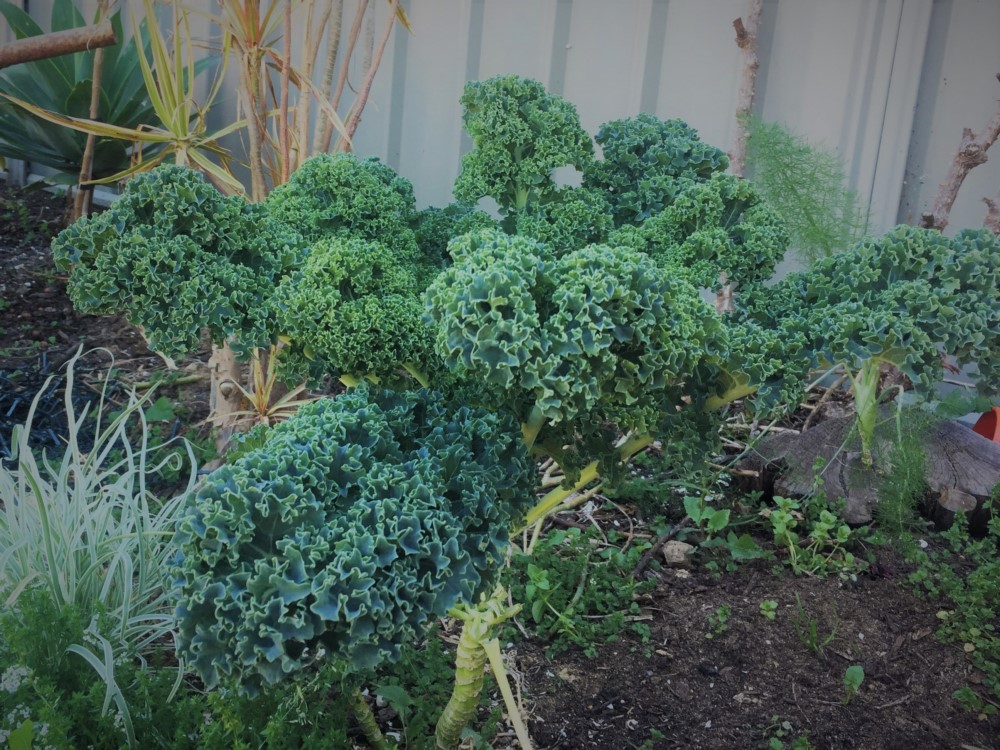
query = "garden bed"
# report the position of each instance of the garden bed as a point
(664, 682)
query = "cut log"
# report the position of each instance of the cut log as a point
(962, 468)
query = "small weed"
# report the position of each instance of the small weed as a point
(578, 591)
(781, 735)
(815, 541)
(807, 628)
(718, 621)
(655, 735)
(854, 676)
(970, 700)
(965, 572)
(769, 608)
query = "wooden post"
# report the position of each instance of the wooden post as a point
(746, 40)
(57, 43)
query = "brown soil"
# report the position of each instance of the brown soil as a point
(681, 689)
(736, 689)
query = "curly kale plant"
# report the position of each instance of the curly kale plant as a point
(643, 157)
(352, 309)
(720, 225)
(342, 195)
(177, 257)
(597, 337)
(908, 298)
(435, 227)
(360, 520)
(521, 135)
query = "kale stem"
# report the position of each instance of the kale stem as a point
(366, 719)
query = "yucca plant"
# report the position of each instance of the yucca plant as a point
(84, 527)
(62, 85)
(182, 135)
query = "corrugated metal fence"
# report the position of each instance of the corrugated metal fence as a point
(889, 84)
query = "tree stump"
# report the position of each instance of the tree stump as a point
(962, 468)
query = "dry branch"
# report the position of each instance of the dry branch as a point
(85, 193)
(992, 220)
(971, 153)
(354, 118)
(57, 43)
(746, 40)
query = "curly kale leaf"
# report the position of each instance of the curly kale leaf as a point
(596, 336)
(359, 520)
(906, 298)
(341, 195)
(643, 157)
(521, 134)
(710, 227)
(568, 219)
(435, 227)
(177, 256)
(352, 309)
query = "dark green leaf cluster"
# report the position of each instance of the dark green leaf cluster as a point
(600, 336)
(63, 85)
(521, 135)
(177, 256)
(568, 219)
(434, 228)
(352, 309)
(774, 361)
(341, 195)
(643, 156)
(360, 520)
(907, 298)
(709, 227)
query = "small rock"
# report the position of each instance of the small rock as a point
(677, 554)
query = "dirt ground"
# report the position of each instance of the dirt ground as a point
(752, 683)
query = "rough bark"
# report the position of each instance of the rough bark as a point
(57, 43)
(971, 153)
(746, 40)
(224, 398)
(960, 465)
(992, 220)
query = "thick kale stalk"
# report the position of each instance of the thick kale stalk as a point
(479, 622)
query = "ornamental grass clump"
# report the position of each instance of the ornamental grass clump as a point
(359, 520)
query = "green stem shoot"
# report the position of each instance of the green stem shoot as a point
(366, 720)
(470, 665)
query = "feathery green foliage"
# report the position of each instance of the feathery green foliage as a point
(359, 520)
(806, 186)
(177, 257)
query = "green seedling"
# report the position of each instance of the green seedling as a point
(769, 608)
(854, 675)
(807, 628)
(718, 621)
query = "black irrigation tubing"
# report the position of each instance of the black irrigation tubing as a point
(19, 388)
